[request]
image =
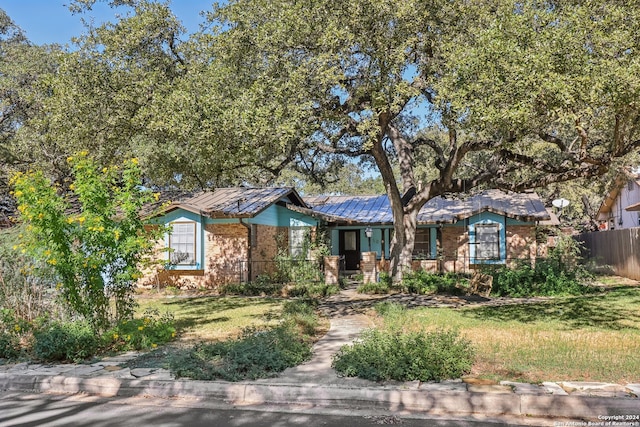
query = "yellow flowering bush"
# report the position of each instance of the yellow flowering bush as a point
(92, 235)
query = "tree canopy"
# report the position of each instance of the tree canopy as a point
(440, 97)
(528, 93)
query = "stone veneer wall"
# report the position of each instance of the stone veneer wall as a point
(521, 243)
(268, 241)
(224, 246)
(455, 249)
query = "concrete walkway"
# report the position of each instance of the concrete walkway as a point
(316, 384)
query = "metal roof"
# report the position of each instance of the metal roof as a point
(236, 202)
(377, 210)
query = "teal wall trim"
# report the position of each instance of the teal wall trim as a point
(487, 218)
(277, 216)
(180, 215)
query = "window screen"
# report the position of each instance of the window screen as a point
(487, 241)
(297, 236)
(422, 246)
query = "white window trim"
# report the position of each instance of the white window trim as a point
(194, 261)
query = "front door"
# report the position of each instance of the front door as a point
(350, 248)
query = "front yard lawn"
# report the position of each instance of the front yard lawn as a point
(585, 338)
(213, 318)
(595, 337)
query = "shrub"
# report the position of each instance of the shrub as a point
(374, 288)
(389, 355)
(96, 251)
(26, 285)
(263, 285)
(258, 353)
(66, 341)
(559, 274)
(312, 290)
(12, 331)
(141, 334)
(9, 346)
(547, 278)
(422, 282)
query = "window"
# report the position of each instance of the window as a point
(487, 241)
(298, 237)
(350, 241)
(182, 243)
(422, 246)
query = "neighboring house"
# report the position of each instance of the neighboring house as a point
(492, 227)
(229, 235)
(621, 206)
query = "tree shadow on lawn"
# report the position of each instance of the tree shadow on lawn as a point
(198, 311)
(615, 309)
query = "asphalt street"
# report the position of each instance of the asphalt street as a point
(26, 409)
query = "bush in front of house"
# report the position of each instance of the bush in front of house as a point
(12, 331)
(144, 333)
(546, 278)
(389, 355)
(258, 353)
(75, 341)
(379, 288)
(66, 341)
(423, 283)
(265, 285)
(262, 285)
(561, 273)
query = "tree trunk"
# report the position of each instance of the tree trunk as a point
(402, 245)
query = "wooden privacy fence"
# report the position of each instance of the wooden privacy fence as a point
(617, 249)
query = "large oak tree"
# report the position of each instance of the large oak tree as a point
(528, 93)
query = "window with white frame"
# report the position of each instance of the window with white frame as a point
(298, 237)
(182, 243)
(487, 241)
(422, 245)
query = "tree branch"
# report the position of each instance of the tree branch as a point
(553, 140)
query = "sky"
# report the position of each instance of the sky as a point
(49, 21)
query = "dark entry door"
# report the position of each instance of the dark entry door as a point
(350, 248)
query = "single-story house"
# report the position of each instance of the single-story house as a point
(228, 235)
(621, 205)
(234, 234)
(453, 234)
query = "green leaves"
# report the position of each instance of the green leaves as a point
(93, 236)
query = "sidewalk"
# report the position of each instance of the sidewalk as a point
(316, 384)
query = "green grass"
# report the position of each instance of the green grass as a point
(213, 318)
(587, 338)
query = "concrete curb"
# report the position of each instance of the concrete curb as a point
(245, 393)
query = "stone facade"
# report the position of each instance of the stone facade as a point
(265, 245)
(455, 253)
(454, 249)
(227, 250)
(332, 270)
(225, 246)
(521, 243)
(369, 267)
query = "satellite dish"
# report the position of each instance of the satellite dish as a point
(560, 203)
